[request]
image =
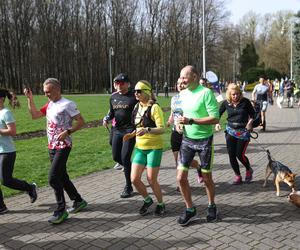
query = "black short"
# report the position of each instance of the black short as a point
(176, 140)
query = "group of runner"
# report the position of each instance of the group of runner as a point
(138, 136)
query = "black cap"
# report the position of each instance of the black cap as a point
(121, 78)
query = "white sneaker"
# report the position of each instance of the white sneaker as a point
(118, 167)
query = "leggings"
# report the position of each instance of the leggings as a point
(236, 149)
(7, 161)
(59, 179)
(122, 151)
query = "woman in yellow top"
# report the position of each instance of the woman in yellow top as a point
(149, 120)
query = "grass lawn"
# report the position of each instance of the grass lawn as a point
(91, 151)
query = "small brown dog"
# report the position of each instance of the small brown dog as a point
(281, 174)
(294, 198)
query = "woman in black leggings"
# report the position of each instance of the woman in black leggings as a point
(240, 117)
(8, 153)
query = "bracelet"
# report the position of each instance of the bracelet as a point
(149, 130)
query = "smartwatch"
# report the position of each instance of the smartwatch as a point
(191, 121)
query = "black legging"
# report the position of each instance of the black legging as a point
(7, 161)
(59, 179)
(122, 151)
(236, 149)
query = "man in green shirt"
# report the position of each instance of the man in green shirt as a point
(200, 112)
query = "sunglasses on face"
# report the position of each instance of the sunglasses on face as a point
(120, 83)
(138, 91)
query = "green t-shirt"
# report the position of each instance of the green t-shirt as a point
(198, 103)
(6, 142)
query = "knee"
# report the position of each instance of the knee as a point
(181, 179)
(135, 180)
(152, 181)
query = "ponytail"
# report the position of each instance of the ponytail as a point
(11, 96)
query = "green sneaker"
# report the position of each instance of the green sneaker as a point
(77, 206)
(58, 217)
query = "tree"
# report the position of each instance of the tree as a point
(248, 58)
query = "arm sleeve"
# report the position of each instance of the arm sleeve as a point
(43, 109)
(250, 109)
(8, 117)
(72, 109)
(211, 104)
(222, 108)
(158, 116)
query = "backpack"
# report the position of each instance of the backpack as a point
(146, 120)
(257, 115)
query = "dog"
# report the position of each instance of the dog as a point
(294, 198)
(281, 174)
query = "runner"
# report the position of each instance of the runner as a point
(149, 121)
(122, 103)
(8, 153)
(60, 113)
(239, 122)
(200, 111)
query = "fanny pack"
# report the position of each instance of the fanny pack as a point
(242, 133)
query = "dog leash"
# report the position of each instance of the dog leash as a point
(254, 135)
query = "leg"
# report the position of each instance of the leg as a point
(126, 152)
(210, 187)
(277, 181)
(268, 173)
(7, 162)
(152, 173)
(136, 176)
(231, 144)
(182, 179)
(117, 143)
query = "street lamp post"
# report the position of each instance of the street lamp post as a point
(291, 67)
(111, 53)
(203, 38)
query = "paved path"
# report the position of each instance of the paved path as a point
(252, 216)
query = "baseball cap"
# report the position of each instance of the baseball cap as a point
(121, 78)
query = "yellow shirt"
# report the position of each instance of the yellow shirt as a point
(148, 140)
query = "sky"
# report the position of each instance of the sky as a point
(239, 8)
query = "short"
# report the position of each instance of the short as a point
(176, 139)
(149, 158)
(263, 106)
(289, 94)
(205, 150)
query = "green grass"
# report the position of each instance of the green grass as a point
(91, 151)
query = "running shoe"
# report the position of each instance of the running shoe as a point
(77, 206)
(127, 192)
(145, 207)
(160, 210)
(212, 215)
(237, 180)
(33, 194)
(3, 210)
(118, 167)
(187, 217)
(249, 175)
(58, 217)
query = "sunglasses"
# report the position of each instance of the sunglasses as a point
(120, 83)
(138, 91)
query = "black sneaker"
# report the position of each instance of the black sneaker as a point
(160, 210)
(33, 194)
(77, 206)
(212, 215)
(58, 217)
(3, 210)
(187, 217)
(127, 192)
(144, 208)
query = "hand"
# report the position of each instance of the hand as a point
(63, 135)
(27, 92)
(105, 123)
(183, 120)
(168, 124)
(141, 132)
(218, 127)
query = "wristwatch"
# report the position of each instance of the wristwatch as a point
(191, 121)
(149, 130)
(69, 131)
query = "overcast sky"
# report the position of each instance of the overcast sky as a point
(239, 8)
